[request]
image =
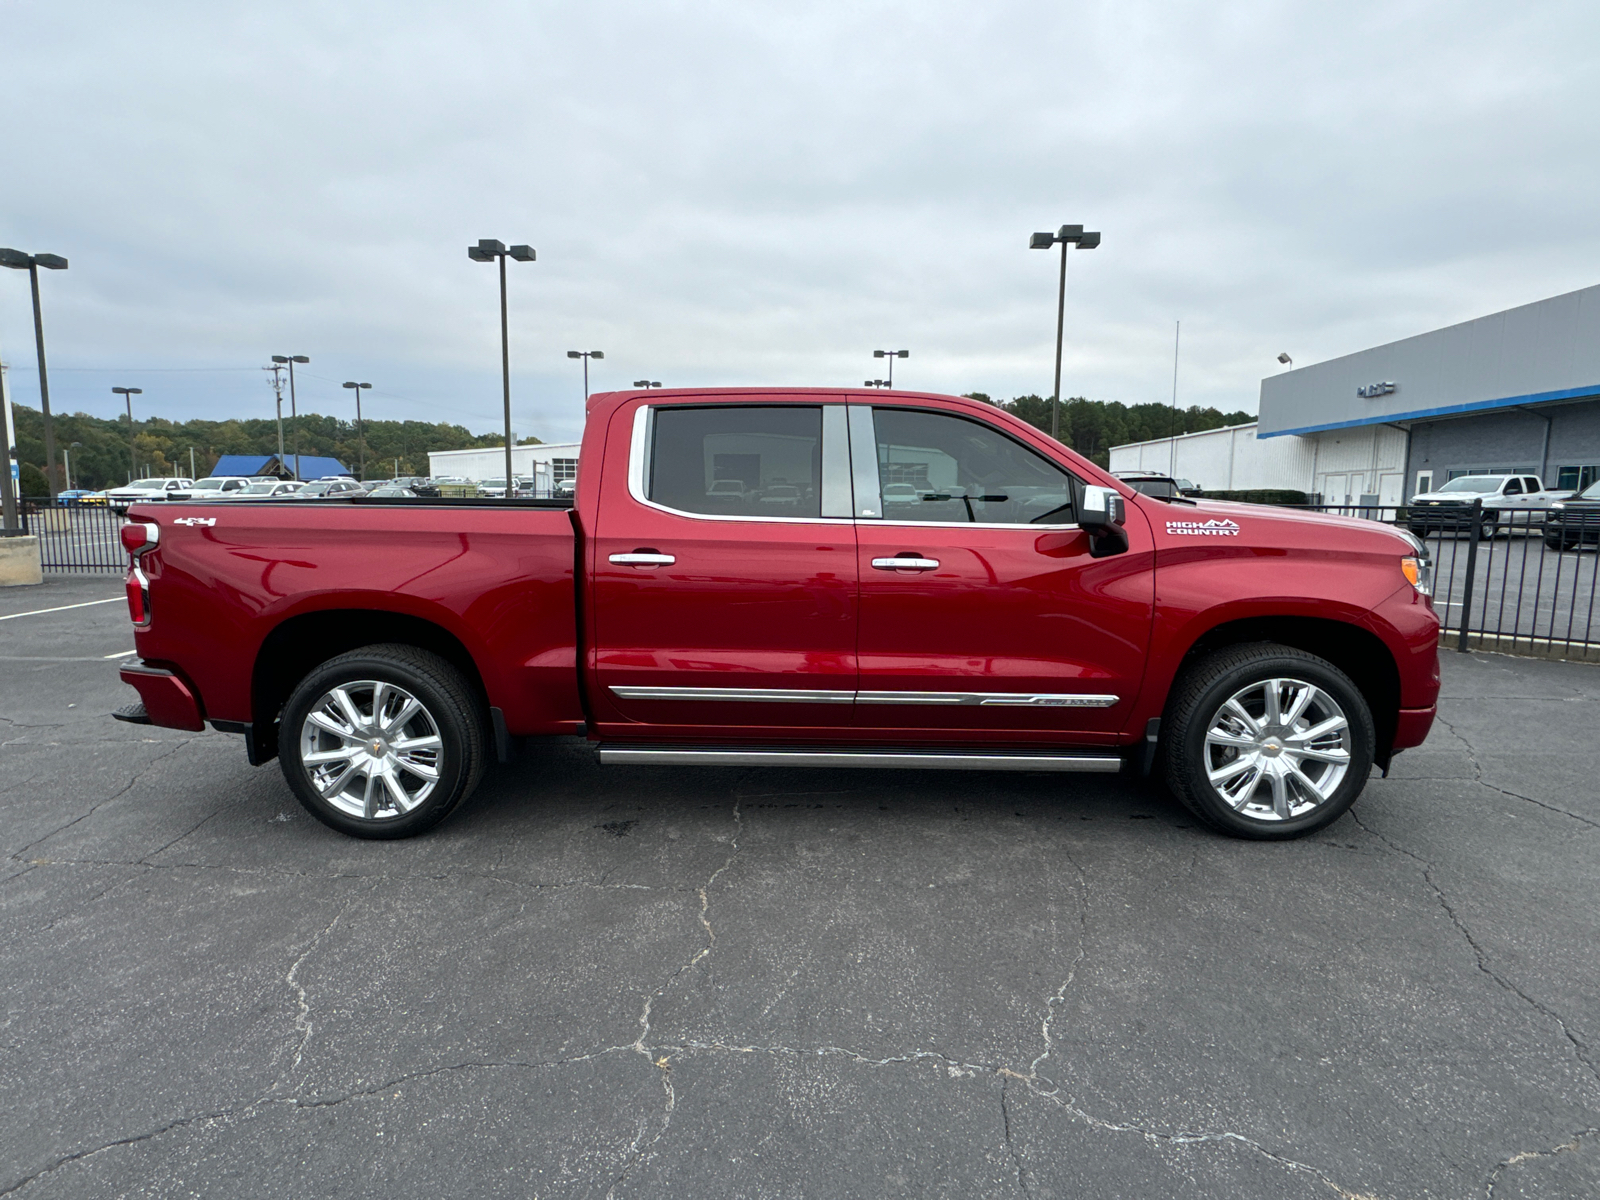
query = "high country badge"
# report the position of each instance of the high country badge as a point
(1211, 528)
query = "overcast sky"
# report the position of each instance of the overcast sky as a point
(747, 193)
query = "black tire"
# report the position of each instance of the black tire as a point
(1556, 542)
(1487, 528)
(448, 706)
(1197, 700)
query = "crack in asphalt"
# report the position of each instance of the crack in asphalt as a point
(1579, 1047)
(1011, 1147)
(1059, 996)
(639, 1150)
(1517, 1160)
(99, 804)
(1477, 773)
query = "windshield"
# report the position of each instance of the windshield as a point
(1161, 489)
(314, 489)
(148, 483)
(256, 489)
(209, 485)
(1473, 483)
(1592, 492)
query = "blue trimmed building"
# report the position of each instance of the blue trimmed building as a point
(1516, 391)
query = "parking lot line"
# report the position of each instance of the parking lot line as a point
(122, 654)
(60, 608)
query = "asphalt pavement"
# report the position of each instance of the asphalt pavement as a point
(649, 982)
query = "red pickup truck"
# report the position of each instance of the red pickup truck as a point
(801, 577)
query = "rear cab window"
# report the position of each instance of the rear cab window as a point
(737, 460)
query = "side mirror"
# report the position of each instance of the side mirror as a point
(1101, 516)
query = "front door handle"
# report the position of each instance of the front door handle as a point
(907, 563)
(642, 558)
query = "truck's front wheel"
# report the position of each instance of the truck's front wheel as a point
(382, 742)
(1266, 741)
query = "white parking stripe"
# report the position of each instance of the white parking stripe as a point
(63, 608)
(122, 654)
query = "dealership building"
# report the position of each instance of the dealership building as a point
(1516, 391)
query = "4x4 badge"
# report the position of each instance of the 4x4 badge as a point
(195, 521)
(1211, 528)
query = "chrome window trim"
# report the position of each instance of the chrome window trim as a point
(639, 458)
(988, 699)
(754, 695)
(810, 696)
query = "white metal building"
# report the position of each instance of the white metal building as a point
(547, 463)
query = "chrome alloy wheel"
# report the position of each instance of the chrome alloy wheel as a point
(370, 749)
(1277, 749)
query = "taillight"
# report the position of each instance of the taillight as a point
(138, 536)
(138, 597)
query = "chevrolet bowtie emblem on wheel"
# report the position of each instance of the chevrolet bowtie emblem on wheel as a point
(195, 521)
(1211, 528)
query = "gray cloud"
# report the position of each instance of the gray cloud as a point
(754, 193)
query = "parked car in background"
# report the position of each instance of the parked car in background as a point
(73, 497)
(565, 487)
(269, 489)
(492, 488)
(1148, 483)
(1573, 522)
(212, 487)
(420, 484)
(1449, 508)
(145, 489)
(389, 492)
(329, 489)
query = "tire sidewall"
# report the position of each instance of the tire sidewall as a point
(446, 714)
(1203, 793)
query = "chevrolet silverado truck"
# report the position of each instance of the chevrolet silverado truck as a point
(900, 580)
(1449, 509)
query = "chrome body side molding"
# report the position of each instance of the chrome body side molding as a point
(683, 756)
(988, 699)
(755, 695)
(807, 696)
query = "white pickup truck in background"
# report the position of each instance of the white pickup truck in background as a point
(1503, 496)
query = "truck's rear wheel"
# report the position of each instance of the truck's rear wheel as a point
(1266, 741)
(382, 742)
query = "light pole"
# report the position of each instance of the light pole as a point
(586, 355)
(639, 383)
(127, 395)
(361, 437)
(1286, 360)
(490, 250)
(1075, 235)
(891, 355)
(66, 461)
(874, 383)
(19, 261)
(294, 412)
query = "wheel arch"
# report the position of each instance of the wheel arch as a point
(299, 643)
(1359, 653)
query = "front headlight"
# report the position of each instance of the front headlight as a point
(1559, 504)
(1419, 574)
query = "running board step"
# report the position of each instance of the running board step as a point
(695, 756)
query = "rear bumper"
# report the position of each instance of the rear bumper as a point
(1411, 728)
(168, 700)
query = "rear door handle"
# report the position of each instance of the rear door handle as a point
(642, 559)
(906, 564)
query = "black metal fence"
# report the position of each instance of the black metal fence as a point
(1522, 580)
(76, 537)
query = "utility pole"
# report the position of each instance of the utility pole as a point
(1172, 470)
(8, 463)
(276, 384)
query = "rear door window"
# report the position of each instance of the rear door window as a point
(737, 460)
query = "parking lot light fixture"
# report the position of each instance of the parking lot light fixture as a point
(586, 355)
(1067, 235)
(294, 412)
(361, 436)
(891, 355)
(127, 395)
(18, 260)
(1286, 360)
(646, 383)
(875, 383)
(495, 251)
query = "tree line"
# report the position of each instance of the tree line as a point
(98, 446)
(161, 447)
(1092, 427)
